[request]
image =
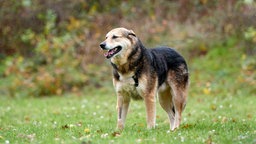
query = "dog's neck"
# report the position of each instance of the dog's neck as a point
(133, 67)
(133, 62)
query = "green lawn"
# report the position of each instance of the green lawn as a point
(221, 109)
(92, 118)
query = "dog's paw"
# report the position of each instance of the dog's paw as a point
(174, 128)
(151, 126)
(120, 125)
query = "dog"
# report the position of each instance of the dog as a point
(141, 73)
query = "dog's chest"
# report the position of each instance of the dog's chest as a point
(126, 87)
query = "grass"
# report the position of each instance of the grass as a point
(92, 119)
(220, 109)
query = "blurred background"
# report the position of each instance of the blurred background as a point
(50, 48)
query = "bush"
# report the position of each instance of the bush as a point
(54, 68)
(50, 47)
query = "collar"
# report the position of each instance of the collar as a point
(135, 78)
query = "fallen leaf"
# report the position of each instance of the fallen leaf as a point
(27, 118)
(249, 116)
(209, 140)
(99, 131)
(207, 91)
(186, 126)
(224, 119)
(213, 107)
(116, 134)
(86, 142)
(65, 126)
(79, 124)
(234, 120)
(87, 130)
(30, 137)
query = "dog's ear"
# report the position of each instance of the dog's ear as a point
(131, 33)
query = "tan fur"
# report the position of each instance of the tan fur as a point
(171, 93)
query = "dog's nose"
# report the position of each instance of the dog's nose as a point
(103, 45)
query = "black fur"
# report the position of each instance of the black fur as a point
(160, 60)
(164, 59)
(173, 110)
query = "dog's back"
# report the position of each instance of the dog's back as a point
(165, 59)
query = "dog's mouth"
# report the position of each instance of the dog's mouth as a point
(110, 53)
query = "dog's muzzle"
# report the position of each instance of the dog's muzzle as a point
(110, 52)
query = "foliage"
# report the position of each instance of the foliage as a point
(54, 67)
(96, 17)
(51, 47)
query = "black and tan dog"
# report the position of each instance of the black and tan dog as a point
(141, 73)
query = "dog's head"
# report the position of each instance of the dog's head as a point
(119, 43)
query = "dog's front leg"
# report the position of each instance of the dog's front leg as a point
(122, 109)
(150, 102)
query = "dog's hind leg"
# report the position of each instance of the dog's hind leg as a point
(179, 86)
(179, 102)
(122, 109)
(165, 100)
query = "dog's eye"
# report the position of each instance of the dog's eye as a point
(114, 37)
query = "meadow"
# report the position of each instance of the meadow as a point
(221, 109)
(92, 119)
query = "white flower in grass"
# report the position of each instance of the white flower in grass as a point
(182, 139)
(71, 125)
(212, 131)
(139, 140)
(104, 135)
